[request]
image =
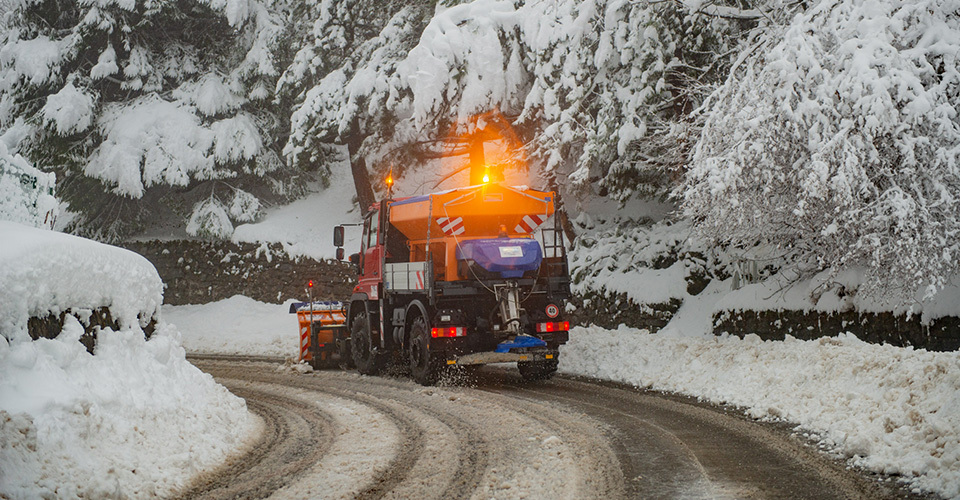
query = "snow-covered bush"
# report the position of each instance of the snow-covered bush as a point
(210, 219)
(26, 194)
(45, 272)
(837, 141)
(124, 100)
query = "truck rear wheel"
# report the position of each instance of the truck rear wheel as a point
(346, 357)
(368, 361)
(538, 370)
(423, 367)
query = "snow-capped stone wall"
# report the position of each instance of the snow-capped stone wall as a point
(198, 272)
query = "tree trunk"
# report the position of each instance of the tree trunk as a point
(361, 177)
(565, 224)
(478, 164)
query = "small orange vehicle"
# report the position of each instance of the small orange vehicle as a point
(466, 276)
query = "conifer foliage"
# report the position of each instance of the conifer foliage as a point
(127, 99)
(822, 132)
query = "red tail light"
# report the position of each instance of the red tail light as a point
(553, 326)
(450, 331)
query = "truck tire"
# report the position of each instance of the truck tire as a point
(346, 357)
(538, 370)
(368, 361)
(423, 367)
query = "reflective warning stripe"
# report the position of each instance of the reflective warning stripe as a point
(419, 280)
(305, 343)
(451, 226)
(530, 223)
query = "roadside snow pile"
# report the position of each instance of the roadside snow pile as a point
(134, 421)
(238, 325)
(43, 272)
(889, 409)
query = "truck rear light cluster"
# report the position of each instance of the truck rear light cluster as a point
(450, 331)
(553, 326)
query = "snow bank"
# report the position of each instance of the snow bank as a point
(892, 410)
(135, 420)
(44, 271)
(238, 325)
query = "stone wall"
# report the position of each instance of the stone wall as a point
(612, 310)
(196, 272)
(879, 328)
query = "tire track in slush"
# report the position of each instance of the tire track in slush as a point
(417, 469)
(522, 444)
(695, 450)
(467, 447)
(295, 436)
(476, 444)
(496, 436)
(412, 437)
(521, 441)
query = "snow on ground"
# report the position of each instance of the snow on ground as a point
(305, 227)
(238, 325)
(892, 410)
(889, 409)
(135, 419)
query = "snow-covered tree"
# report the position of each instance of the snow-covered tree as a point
(836, 140)
(340, 80)
(592, 86)
(139, 105)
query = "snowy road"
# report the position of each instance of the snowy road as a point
(334, 434)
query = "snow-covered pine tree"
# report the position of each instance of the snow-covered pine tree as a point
(139, 106)
(837, 141)
(593, 86)
(340, 81)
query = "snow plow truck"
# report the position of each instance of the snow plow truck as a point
(463, 277)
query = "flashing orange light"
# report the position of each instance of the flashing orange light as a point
(389, 180)
(486, 176)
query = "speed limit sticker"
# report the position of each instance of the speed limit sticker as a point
(552, 310)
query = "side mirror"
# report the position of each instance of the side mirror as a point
(338, 237)
(339, 253)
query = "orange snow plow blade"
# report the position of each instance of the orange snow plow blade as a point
(326, 317)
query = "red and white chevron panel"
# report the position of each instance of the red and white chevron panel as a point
(305, 343)
(530, 223)
(451, 226)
